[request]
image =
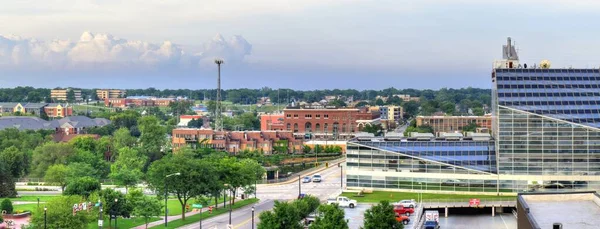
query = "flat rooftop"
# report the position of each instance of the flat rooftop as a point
(573, 210)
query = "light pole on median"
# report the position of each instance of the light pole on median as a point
(252, 217)
(116, 216)
(45, 210)
(341, 176)
(166, 194)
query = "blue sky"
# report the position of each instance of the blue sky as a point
(304, 44)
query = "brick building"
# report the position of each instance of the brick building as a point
(57, 110)
(326, 121)
(236, 141)
(449, 124)
(272, 122)
(138, 102)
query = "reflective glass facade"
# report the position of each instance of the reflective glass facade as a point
(546, 137)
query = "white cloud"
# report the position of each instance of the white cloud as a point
(106, 51)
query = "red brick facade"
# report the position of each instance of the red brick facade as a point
(272, 122)
(236, 141)
(151, 102)
(325, 122)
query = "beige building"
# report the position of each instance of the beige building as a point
(449, 124)
(110, 93)
(61, 94)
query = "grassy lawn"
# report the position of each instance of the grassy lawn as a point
(122, 223)
(205, 215)
(175, 206)
(43, 198)
(377, 196)
(27, 207)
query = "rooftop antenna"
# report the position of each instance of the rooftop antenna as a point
(218, 119)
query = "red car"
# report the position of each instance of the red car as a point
(401, 210)
(402, 218)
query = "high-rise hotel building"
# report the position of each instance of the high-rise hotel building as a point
(545, 137)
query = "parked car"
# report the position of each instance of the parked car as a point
(432, 219)
(310, 218)
(342, 201)
(402, 218)
(316, 178)
(306, 179)
(407, 203)
(431, 225)
(401, 210)
(454, 182)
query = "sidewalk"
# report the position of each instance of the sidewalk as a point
(171, 218)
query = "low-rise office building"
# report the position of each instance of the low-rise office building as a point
(61, 95)
(272, 122)
(449, 124)
(110, 93)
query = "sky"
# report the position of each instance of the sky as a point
(299, 44)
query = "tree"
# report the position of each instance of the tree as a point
(337, 103)
(196, 176)
(70, 96)
(153, 137)
(361, 104)
(147, 208)
(283, 216)
(127, 169)
(330, 217)
(57, 174)
(122, 138)
(121, 207)
(43, 115)
(448, 107)
(196, 123)
(13, 164)
(478, 111)
(379, 102)
(381, 216)
(6, 206)
(394, 100)
(60, 214)
(125, 119)
(373, 129)
(83, 186)
(306, 149)
(471, 127)
(411, 108)
(49, 154)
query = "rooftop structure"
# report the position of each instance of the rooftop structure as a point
(540, 211)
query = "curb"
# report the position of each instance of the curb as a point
(305, 174)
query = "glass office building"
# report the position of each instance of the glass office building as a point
(545, 137)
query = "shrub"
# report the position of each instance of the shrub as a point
(6, 206)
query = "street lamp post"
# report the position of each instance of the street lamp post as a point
(299, 186)
(166, 195)
(200, 217)
(38, 202)
(116, 200)
(341, 176)
(100, 214)
(45, 210)
(252, 217)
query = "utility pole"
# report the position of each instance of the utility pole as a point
(218, 119)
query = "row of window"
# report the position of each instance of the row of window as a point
(547, 94)
(545, 71)
(547, 86)
(547, 103)
(548, 78)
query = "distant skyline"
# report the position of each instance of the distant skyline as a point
(303, 44)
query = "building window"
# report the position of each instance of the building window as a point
(295, 115)
(288, 115)
(318, 116)
(308, 127)
(307, 116)
(317, 127)
(295, 127)
(326, 116)
(288, 127)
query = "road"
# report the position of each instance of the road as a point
(240, 218)
(268, 193)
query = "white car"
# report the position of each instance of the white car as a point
(316, 178)
(407, 203)
(342, 201)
